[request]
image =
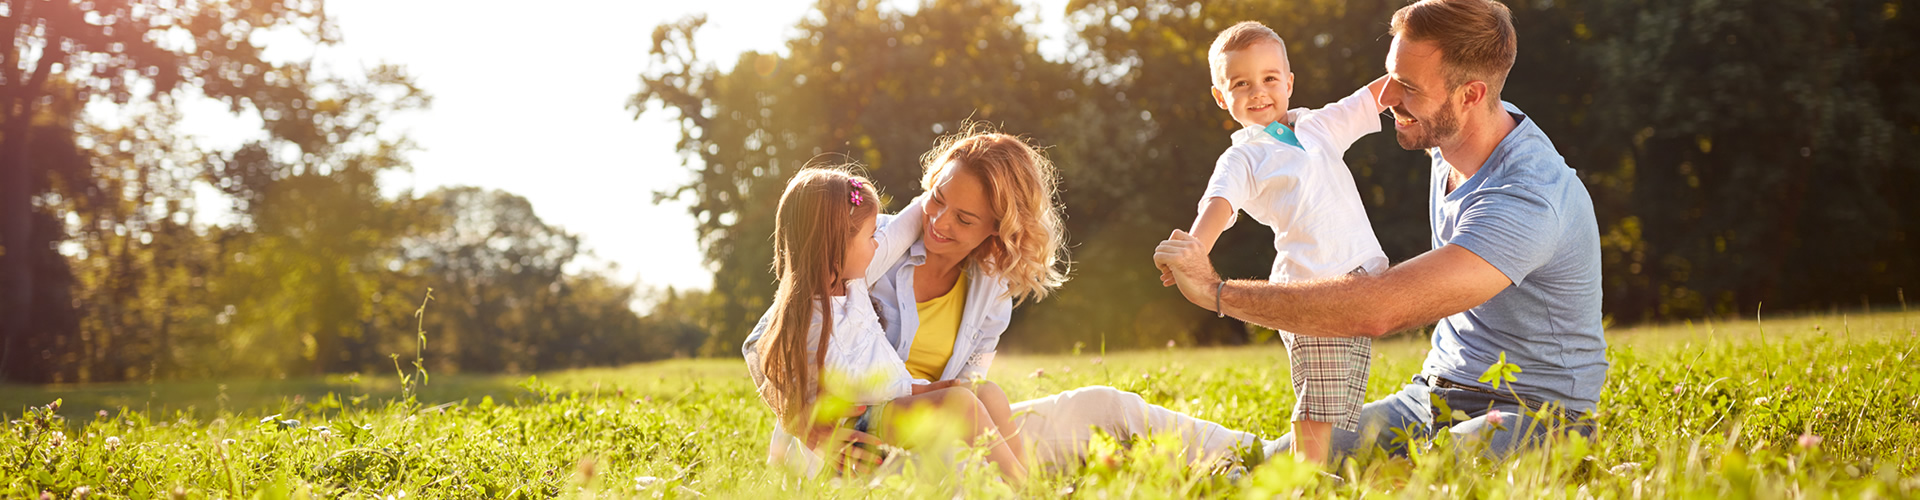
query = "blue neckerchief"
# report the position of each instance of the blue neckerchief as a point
(1283, 134)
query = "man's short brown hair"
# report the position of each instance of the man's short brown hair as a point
(1476, 38)
(1239, 36)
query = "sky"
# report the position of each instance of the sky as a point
(534, 101)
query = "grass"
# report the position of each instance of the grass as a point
(1813, 406)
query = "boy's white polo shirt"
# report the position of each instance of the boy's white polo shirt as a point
(1305, 194)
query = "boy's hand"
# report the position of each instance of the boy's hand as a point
(1187, 258)
(1378, 87)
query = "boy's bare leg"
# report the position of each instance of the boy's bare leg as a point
(1329, 381)
(961, 404)
(1312, 440)
(995, 402)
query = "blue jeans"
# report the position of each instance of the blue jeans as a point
(1412, 409)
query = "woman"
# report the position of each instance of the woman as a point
(993, 236)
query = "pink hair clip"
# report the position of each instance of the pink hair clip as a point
(854, 195)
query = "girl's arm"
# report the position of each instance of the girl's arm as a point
(867, 373)
(860, 364)
(896, 237)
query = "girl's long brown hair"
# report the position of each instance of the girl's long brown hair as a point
(816, 219)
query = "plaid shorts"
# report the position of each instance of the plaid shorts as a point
(1329, 378)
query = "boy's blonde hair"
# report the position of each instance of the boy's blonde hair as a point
(1030, 243)
(1240, 36)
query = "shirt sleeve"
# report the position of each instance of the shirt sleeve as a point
(867, 369)
(987, 341)
(1345, 120)
(751, 348)
(1232, 180)
(894, 238)
(1514, 230)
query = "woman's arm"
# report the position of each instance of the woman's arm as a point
(895, 238)
(987, 341)
(841, 450)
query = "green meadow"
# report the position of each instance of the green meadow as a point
(1801, 407)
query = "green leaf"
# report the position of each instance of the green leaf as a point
(1500, 371)
(1441, 410)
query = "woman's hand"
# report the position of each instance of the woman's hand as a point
(926, 388)
(846, 451)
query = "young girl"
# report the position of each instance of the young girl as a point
(824, 337)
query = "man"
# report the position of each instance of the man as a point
(1514, 273)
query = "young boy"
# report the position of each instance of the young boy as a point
(1285, 170)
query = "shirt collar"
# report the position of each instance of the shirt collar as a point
(1272, 132)
(917, 254)
(1523, 130)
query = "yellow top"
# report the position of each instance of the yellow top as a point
(939, 325)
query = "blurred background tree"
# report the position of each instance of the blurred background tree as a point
(1738, 154)
(861, 83)
(109, 272)
(60, 56)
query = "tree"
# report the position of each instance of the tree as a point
(499, 274)
(59, 55)
(859, 84)
(1736, 153)
(1766, 152)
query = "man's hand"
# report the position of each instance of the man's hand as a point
(1186, 258)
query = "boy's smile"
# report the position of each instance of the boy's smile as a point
(1253, 84)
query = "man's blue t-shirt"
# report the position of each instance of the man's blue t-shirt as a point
(1528, 214)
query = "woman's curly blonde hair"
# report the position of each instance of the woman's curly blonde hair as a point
(1028, 248)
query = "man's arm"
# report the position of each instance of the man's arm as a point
(1432, 286)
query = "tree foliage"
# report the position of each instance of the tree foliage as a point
(1738, 153)
(109, 271)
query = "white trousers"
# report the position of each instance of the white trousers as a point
(1058, 429)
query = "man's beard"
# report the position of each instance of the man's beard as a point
(1432, 130)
